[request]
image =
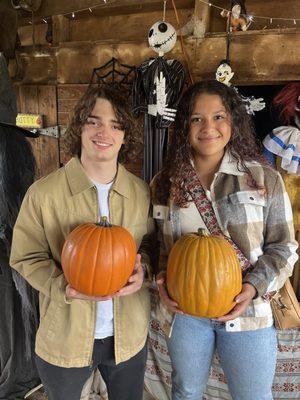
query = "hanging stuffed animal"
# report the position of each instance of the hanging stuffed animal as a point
(238, 16)
(156, 92)
(224, 74)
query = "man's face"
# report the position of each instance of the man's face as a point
(102, 134)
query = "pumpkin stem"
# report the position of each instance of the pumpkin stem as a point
(203, 232)
(104, 222)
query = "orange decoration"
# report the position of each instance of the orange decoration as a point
(98, 258)
(203, 275)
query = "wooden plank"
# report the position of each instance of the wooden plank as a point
(113, 28)
(256, 58)
(61, 29)
(37, 66)
(48, 146)
(42, 100)
(112, 7)
(202, 15)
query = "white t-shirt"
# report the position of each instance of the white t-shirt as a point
(190, 218)
(104, 314)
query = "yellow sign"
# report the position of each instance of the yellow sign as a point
(29, 121)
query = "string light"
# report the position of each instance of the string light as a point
(251, 17)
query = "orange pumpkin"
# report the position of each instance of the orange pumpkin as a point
(98, 258)
(203, 274)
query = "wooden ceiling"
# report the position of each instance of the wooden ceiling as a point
(99, 8)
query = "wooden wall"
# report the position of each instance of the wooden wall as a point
(58, 73)
(42, 100)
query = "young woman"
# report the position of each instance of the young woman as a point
(214, 145)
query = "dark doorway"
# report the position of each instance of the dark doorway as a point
(267, 119)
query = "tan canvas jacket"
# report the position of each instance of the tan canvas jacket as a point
(52, 207)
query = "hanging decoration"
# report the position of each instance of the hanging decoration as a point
(156, 92)
(116, 74)
(238, 18)
(252, 18)
(224, 74)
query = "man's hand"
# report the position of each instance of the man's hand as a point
(72, 293)
(243, 300)
(164, 296)
(135, 281)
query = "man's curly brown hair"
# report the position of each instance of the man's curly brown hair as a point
(243, 145)
(121, 106)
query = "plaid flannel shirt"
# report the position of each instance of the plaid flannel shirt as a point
(260, 222)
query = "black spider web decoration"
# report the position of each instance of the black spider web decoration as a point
(114, 73)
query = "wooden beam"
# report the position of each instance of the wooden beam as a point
(61, 29)
(257, 57)
(202, 19)
(111, 7)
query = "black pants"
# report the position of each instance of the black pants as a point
(124, 381)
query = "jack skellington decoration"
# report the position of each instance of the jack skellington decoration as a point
(156, 92)
(224, 74)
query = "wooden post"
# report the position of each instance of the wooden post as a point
(202, 19)
(61, 29)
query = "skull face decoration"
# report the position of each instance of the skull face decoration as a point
(162, 37)
(224, 73)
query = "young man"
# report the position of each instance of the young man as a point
(78, 333)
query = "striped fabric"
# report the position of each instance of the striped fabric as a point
(284, 141)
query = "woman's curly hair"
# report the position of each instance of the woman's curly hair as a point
(121, 106)
(243, 145)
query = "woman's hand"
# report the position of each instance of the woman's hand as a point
(243, 300)
(164, 296)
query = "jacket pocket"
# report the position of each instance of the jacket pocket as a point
(248, 197)
(161, 212)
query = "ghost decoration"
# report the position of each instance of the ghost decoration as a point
(156, 92)
(224, 74)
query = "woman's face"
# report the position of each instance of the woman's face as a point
(210, 127)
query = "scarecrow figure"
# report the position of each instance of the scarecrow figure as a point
(19, 315)
(224, 74)
(282, 148)
(238, 16)
(156, 92)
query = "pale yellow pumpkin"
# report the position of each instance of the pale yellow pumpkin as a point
(203, 274)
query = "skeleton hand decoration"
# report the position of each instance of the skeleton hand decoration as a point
(253, 104)
(161, 97)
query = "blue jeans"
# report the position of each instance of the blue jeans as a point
(248, 358)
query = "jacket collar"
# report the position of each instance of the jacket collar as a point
(79, 181)
(230, 166)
